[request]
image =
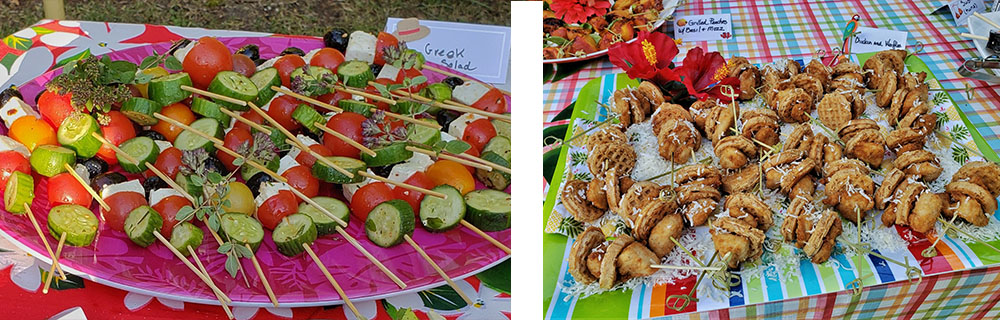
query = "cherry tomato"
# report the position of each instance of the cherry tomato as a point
(169, 162)
(32, 132)
(64, 189)
(475, 153)
(281, 110)
(413, 73)
(155, 72)
(11, 161)
(207, 58)
(177, 111)
(167, 208)
(418, 179)
(348, 124)
(55, 107)
(233, 140)
(492, 101)
(372, 90)
(451, 173)
(384, 40)
(308, 160)
(369, 196)
(276, 208)
(478, 133)
(249, 115)
(243, 65)
(118, 130)
(328, 58)
(301, 178)
(122, 203)
(334, 98)
(285, 65)
(240, 199)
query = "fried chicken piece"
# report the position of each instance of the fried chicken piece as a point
(574, 198)
(582, 247)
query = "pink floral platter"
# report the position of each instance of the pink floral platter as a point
(114, 261)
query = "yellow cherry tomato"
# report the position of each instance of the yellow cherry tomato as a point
(240, 199)
(155, 72)
(177, 111)
(32, 132)
(451, 173)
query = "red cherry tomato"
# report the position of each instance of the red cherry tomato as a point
(122, 203)
(167, 208)
(478, 133)
(348, 124)
(276, 208)
(492, 101)
(64, 189)
(55, 107)
(249, 115)
(418, 179)
(372, 90)
(308, 160)
(413, 73)
(11, 161)
(286, 64)
(369, 196)
(169, 162)
(233, 140)
(207, 58)
(334, 98)
(328, 58)
(118, 130)
(475, 153)
(384, 40)
(301, 178)
(281, 110)
(243, 65)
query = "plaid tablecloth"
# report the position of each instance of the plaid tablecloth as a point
(768, 30)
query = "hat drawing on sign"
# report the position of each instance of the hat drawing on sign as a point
(409, 29)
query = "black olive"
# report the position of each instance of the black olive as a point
(382, 171)
(337, 39)
(293, 50)
(213, 164)
(95, 166)
(98, 182)
(453, 82)
(256, 180)
(376, 69)
(8, 93)
(447, 116)
(250, 50)
(152, 135)
(177, 45)
(153, 183)
(259, 62)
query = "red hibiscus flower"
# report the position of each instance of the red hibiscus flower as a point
(706, 74)
(577, 11)
(648, 57)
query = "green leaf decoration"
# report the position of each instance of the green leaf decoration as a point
(148, 62)
(457, 146)
(497, 277)
(78, 56)
(232, 265)
(940, 97)
(173, 64)
(570, 227)
(18, 43)
(585, 176)
(442, 298)
(72, 281)
(185, 213)
(942, 118)
(390, 309)
(959, 154)
(225, 247)
(959, 133)
(244, 251)
(42, 31)
(8, 60)
(577, 158)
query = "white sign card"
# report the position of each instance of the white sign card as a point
(480, 51)
(708, 27)
(961, 10)
(874, 39)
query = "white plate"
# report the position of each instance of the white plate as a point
(981, 28)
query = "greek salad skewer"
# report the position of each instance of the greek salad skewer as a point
(346, 139)
(86, 186)
(466, 160)
(359, 93)
(400, 94)
(55, 261)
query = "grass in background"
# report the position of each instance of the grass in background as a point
(309, 17)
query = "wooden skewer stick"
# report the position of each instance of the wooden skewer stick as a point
(314, 102)
(972, 36)
(298, 143)
(335, 109)
(366, 95)
(987, 20)
(403, 185)
(452, 74)
(437, 268)
(489, 238)
(86, 186)
(336, 286)
(663, 266)
(456, 106)
(55, 262)
(445, 156)
(213, 95)
(242, 119)
(45, 241)
(263, 279)
(349, 141)
(204, 271)
(211, 285)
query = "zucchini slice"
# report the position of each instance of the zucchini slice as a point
(388, 222)
(440, 215)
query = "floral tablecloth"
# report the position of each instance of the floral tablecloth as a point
(48, 44)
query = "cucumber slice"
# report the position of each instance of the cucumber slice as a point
(390, 154)
(359, 107)
(423, 134)
(233, 85)
(143, 149)
(277, 137)
(328, 174)
(324, 224)
(495, 179)
(167, 90)
(75, 134)
(407, 107)
(503, 128)
(292, 232)
(488, 209)
(248, 172)
(188, 140)
(439, 91)
(438, 214)
(355, 73)
(20, 189)
(264, 79)
(242, 229)
(78, 223)
(141, 110)
(313, 73)
(140, 224)
(210, 109)
(186, 235)
(308, 117)
(185, 182)
(49, 160)
(499, 145)
(388, 222)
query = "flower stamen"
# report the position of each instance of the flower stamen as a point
(649, 51)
